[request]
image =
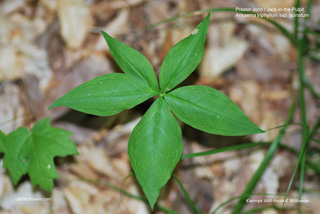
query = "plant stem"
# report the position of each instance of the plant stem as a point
(139, 198)
(303, 118)
(191, 203)
(247, 146)
(234, 198)
(281, 28)
(302, 170)
(296, 19)
(230, 148)
(256, 177)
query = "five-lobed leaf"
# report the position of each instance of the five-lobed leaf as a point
(209, 110)
(106, 95)
(184, 57)
(154, 149)
(132, 62)
(33, 152)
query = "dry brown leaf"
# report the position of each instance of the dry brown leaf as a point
(5, 182)
(74, 21)
(275, 3)
(219, 59)
(11, 109)
(269, 211)
(59, 204)
(255, 159)
(117, 26)
(246, 94)
(49, 4)
(83, 170)
(18, 54)
(79, 195)
(98, 159)
(9, 201)
(275, 95)
(122, 164)
(10, 67)
(9, 6)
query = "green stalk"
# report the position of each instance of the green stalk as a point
(191, 203)
(307, 31)
(313, 132)
(124, 192)
(225, 203)
(302, 170)
(230, 148)
(303, 118)
(256, 177)
(309, 86)
(296, 19)
(314, 129)
(281, 28)
(250, 145)
(237, 197)
(315, 140)
(308, 10)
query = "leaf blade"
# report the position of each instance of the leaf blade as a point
(183, 58)
(154, 149)
(15, 144)
(209, 110)
(33, 152)
(106, 95)
(132, 62)
(2, 146)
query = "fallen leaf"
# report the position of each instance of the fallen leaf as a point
(74, 21)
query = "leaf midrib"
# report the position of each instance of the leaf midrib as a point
(203, 109)
(156, 135)
(35, 154)
(178, 67)
(141, 74)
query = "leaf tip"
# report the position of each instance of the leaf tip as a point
(152, 202)
(52, 106)
(257, 130)
(57, 103)
(105, 35)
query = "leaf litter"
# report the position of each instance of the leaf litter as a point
(256, 79)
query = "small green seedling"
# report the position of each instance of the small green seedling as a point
(155, 145)
(32, 152)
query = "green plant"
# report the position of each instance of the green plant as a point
(300, 39)
(155, 145)
(32, 152)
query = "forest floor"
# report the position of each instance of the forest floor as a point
(49, 47)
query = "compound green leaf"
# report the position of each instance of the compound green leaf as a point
(106, 95)
(209, 110)
(184, 57)
(132, 62)
(154, 149)
(2, 147)
(33, 152)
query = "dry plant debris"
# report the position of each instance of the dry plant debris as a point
(49, 47)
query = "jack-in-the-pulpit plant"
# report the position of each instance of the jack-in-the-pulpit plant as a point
(155, 145)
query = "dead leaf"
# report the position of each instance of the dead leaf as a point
(219, 59)
(74, 21)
